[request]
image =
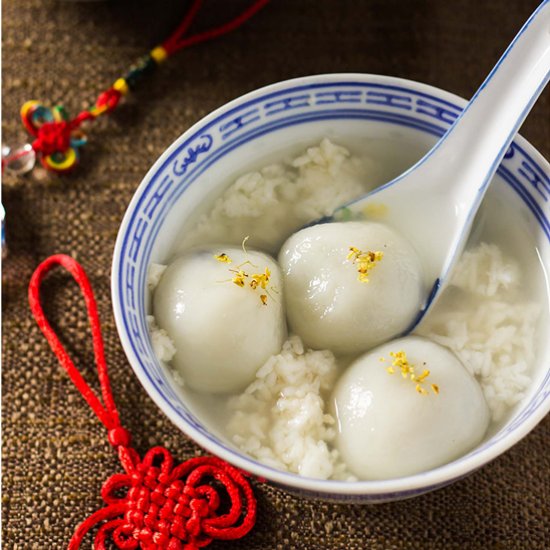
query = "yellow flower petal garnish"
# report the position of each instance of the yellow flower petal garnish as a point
(239, 278)
(365, 261)
(223, 258)
(260, 279)
(408, 371)
(255, 280)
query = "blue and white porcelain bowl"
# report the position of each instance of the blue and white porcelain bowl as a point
(409, 116)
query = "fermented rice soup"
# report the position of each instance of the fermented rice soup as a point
(285, 413)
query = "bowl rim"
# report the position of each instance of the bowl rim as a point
(417, 483)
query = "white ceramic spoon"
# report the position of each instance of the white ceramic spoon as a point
(434, 202)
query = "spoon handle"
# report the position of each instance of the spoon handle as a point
(476, 143)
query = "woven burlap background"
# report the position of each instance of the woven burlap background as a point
(55, 454)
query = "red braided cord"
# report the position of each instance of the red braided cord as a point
(170, 44)
(107, 513)
(177, 41)
(80, 118)
(106, 411)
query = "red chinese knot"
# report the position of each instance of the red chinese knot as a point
(153, 505)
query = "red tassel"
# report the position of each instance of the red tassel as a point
(153, 505)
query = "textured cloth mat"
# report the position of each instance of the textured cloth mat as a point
(55, 453)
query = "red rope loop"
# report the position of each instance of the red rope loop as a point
(106, 411)
(153, 505)
(177, 40)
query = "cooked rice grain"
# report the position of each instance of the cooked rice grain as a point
(483, 319)
(281, 417)
(272, 203)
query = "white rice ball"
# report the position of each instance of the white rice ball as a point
(223, 333)
(388, 429)
(329, 306)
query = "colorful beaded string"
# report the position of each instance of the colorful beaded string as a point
(58, 138)
(154, 504)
